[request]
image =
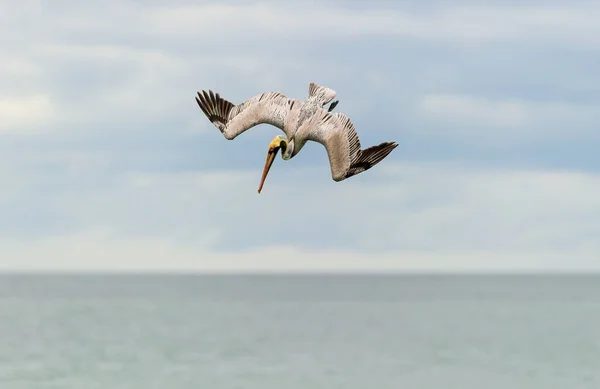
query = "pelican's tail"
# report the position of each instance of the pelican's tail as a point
(321, 94)
(370, 157)
(215, 108)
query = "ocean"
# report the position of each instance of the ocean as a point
(299, 331)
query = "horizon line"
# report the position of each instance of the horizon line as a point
(273, 273)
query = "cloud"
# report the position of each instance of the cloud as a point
(22, 68)
(394, 211)
(16, 113)
(105, 152)
(94, 251)
(467, 109)
(220, 24)
(573, 25)
(524, 119)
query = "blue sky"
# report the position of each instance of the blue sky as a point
(109, 164)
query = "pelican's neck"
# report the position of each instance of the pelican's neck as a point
(287, 148)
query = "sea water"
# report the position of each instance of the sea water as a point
(302, 331)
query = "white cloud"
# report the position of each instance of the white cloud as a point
(468, 109)
(124, 85)
(575, 24)
(18, 67)
(214, 24)
(522, 118)
(95, 251)
(399, 216)
(23, 112)
(465, 209)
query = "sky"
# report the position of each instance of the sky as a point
(108, 163)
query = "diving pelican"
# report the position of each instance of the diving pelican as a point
(301, 121)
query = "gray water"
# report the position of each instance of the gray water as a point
(281, 331)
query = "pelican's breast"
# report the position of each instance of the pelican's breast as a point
(291, 119)
(305, 118)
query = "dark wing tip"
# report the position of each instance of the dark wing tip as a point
(370, 157)
(214, 106)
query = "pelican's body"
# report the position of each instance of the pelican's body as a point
(301, 121)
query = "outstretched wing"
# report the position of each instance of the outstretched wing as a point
(232, 120)
(336, 132)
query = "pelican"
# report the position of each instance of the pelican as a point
(301, 121)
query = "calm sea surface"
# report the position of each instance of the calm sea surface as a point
(283, 332)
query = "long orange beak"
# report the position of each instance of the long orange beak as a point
(270, 158)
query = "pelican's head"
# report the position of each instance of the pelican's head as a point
(279, 142)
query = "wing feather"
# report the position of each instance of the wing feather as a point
(232, 120)
(346, 158)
